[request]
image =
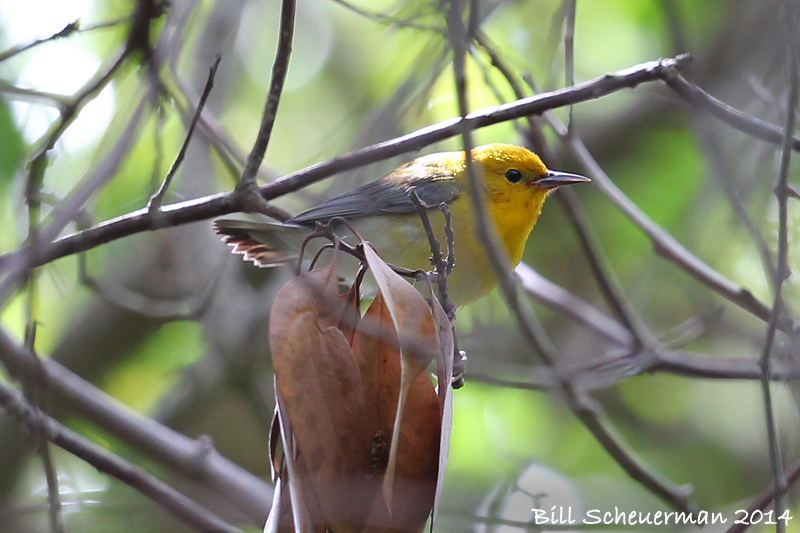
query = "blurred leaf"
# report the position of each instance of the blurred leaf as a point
(142, 380)
(12, 149)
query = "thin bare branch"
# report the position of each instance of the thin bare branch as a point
(584, 408)
(35, 388)
(192, 458)
(559, 299)
(597, 377)
(613, 294)
(185, 100)
(442, 265)
(569, 52)
(223, 203)
(669, 248)
(70, 110)
(70, 207)
(765, 499)
(154, 205)
(719, 168)
(609, 288)
(71, 28)
(743, 122)
(601, 271)
(18, 93)
(186, 510)
(718, 163)
(700, 366)
(247, 189)
(533, 105)
(68, 30)
(782, 265)
(390, 20)
(192, 307)
(73, 204)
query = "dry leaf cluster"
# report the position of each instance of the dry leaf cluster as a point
(359, 417)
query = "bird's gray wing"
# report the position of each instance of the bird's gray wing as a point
(388, 195)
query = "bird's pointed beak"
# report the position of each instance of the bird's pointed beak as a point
(555, 178)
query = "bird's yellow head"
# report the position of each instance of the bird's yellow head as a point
(517, 184)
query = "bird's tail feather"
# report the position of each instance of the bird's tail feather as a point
(265, 244)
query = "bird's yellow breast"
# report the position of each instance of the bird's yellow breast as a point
(401, 240)
(514, 216)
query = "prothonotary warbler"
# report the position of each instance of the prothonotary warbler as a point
(516, 183)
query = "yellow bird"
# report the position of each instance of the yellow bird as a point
(516, 183)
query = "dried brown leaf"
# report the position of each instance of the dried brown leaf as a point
(410, 313)
(350, 313)
(320, 383)
(365, 422)
(377, 349)
(418, 340)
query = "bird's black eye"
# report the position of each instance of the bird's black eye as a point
(513, 175)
